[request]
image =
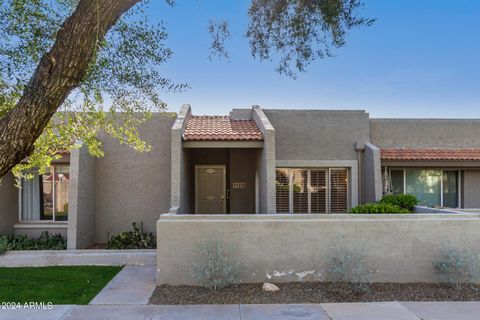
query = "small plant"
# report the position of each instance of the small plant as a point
(3, 244)
(458, 267)
(347, 268)
(404, 201)
(133, 239)
(378, 208)
(217, 267)
(45, 241)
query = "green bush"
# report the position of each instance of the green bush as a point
(134, 239)
(3, 244)
(404, 201)
(45, 241)
(378, 208)
(217, 267)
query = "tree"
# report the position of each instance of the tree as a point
(96, 61)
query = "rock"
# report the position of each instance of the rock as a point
(269, 287)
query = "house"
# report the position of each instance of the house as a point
(253, 161)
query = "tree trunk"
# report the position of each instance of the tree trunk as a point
(58, 73)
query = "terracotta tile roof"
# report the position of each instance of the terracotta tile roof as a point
(430, 154)
(220, 128)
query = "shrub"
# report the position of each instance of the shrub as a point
(348, 269)
(3, 244)
(458, 267)
(378, 208)
(133, 239)
(217, 267)
(45, 241)
(404, 201)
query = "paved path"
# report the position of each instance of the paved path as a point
(328, 311)
(126, 298)
(133, 286)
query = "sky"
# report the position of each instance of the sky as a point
(420, 59)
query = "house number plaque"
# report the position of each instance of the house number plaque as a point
(239, 185)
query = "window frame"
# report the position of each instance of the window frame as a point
(327, 188)
(40, 221)
(459, 182)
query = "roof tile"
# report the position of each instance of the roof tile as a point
(430, 154)
(202, 128)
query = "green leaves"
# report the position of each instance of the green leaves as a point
(378, 208)
(135, 239)
(404, 201)
(45, 241)
(118, 94)
(300, 31)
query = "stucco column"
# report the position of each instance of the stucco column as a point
(372, 173)
(177, 158)
(81, 200)
(266, 163)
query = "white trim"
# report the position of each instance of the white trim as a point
(41, 225)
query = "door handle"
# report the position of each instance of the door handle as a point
(228, 194)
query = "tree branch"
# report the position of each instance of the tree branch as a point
(58, 73)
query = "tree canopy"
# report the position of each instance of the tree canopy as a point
(97, 62)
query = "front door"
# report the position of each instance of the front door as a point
(210, 189)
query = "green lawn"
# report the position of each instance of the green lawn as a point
(59, 285)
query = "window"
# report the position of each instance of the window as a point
(311, 190)
(338, 191)
(45, 197)
(283, 191)
(432, 187)
(318, 191)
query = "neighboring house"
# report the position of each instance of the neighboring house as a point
(252, 161)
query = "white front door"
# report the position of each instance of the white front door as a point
(210, 189)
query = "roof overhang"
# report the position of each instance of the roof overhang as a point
(429, 154)
(223, 144)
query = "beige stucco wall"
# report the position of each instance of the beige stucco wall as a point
(132, 186)
(318, 134)
(425, 133)
(277, 248)
(8, 203)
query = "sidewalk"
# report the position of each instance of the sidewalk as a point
(126, 296)
(328, 311)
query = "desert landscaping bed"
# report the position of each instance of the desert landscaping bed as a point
(313, 292)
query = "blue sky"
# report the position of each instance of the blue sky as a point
(420, 59)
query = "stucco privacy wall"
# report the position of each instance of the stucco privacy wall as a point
(425, 133)
(82, 212)
(278, 248)
(8, 203)
(133, 186)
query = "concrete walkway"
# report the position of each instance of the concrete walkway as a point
(133, 285)
(126, 298)
(328, 311)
